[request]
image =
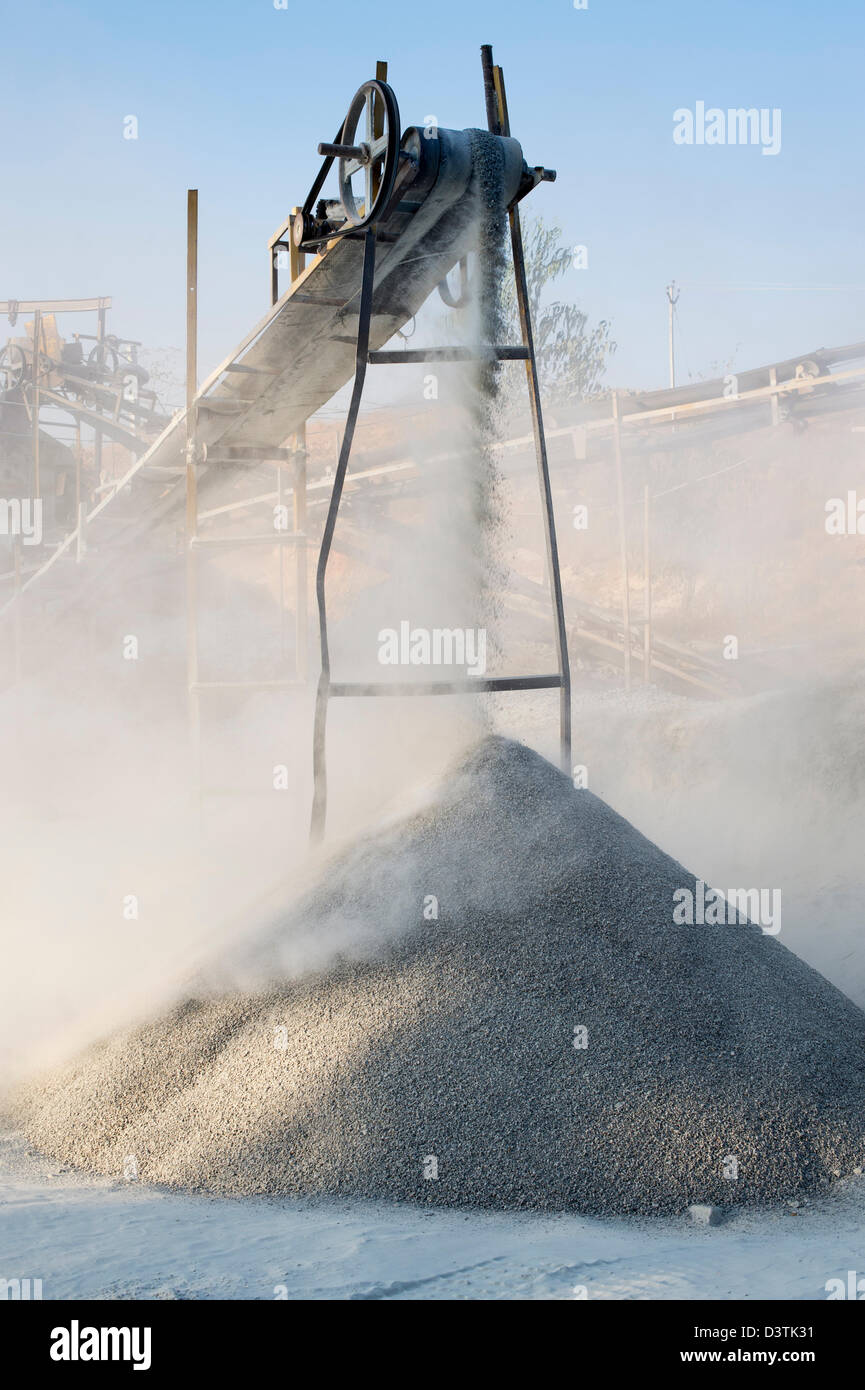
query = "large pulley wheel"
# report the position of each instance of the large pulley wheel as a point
(12, 366)
(104, 360)
(373, 159)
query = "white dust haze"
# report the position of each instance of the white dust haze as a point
(117, 891)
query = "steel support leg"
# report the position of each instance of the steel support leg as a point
(319, 752)
(546, 491)
(498, 121)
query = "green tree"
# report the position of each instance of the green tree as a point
(571, 356)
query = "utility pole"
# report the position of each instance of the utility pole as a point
(672, 301)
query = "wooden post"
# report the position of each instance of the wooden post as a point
(623, 539)
(647, 587)
(191, 480)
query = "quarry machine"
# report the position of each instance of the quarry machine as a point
(414, 223)
(43, 376)
(361, 266)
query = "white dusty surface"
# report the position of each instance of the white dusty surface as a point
(97, 1238)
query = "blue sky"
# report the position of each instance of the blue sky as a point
(232, 97)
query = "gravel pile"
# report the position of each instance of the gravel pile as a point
(434, 1060)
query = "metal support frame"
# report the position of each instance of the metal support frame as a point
(40, 394)
(323, 690)
(497, 120)
(53, 306)
(553, 570)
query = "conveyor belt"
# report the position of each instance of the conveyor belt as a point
(303, 350)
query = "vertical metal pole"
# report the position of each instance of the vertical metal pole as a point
(191, 480)
(16, 610)
(37, 348)
(499, 124)
(297, 261)
(319, 754)
(546, 492)
(97, 436)
(283, 654)
(81, 533)
(647, 586)
(490, 97)
(378, 121)
(77, 465)
(296, 257)
(80, 509)
(773, 381)
(623, 539)
(301, 638)
(672, 300)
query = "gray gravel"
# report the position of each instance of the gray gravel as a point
(452, 1039)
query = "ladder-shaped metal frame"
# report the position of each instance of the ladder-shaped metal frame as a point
(497, 120)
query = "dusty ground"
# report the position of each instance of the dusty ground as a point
(95, 1238)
